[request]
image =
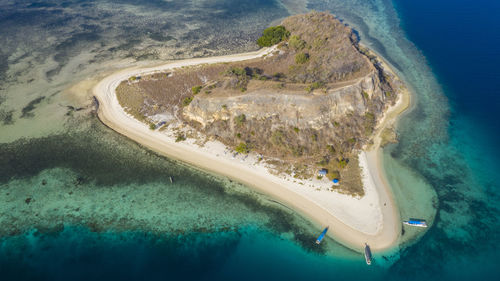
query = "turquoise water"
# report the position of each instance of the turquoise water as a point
(102, 208)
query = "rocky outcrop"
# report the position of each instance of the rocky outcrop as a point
(299, 109)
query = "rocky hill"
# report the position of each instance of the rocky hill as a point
(310, 104)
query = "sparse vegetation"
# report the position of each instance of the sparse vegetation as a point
(273, 35)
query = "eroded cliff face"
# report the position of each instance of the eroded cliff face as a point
(316, 110)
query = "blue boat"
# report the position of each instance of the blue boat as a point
(416, 222)
(321, 236)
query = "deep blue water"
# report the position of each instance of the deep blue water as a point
(460, 40)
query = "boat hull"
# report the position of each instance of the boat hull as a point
(417, 223)
(368, 255)
(321, 236)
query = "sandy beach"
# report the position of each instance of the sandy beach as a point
(372, 219)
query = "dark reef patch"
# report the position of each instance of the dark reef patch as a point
(7, 117)
(27, 111)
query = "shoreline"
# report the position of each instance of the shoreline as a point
(346, 224)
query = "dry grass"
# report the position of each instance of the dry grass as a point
(350, 179)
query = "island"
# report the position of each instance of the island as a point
(302, 120)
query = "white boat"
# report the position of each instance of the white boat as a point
(416, 222)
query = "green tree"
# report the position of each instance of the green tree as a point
(273, 35)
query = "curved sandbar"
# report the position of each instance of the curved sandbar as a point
(353, 223)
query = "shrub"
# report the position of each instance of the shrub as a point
(315, 85)
(342, 163)
(278, 75)
(180, 137)
(277, 138)
(296, 129)
(196, 90)
(242, 148)
(301, 58)
(240, 119)
(187, 101)
(369, 123)
(330, 149)
(152, 126)
(273, 35)
(224, 106)
(236, 71)
(296, 43)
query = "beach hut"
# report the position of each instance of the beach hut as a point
(322, 172)
(335, 181)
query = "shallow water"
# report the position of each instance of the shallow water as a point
(205, 228)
